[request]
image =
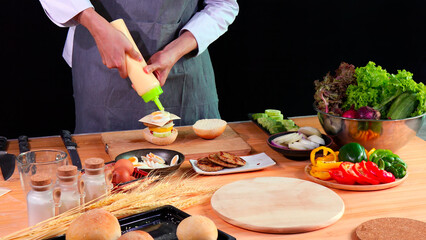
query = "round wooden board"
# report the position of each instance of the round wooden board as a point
(354, 187)
(277, 205)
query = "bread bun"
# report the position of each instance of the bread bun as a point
(136, 235)
(96, 224)
(197, 227)
(209, 128)
(160, 140)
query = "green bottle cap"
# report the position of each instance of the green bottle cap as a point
(153, 95)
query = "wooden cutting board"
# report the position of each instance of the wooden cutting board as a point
(187, 142)
(277, 205)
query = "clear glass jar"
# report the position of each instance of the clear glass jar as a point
(95, 184)
(40, 204)
(67, 181)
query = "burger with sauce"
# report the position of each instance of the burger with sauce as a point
(160, 128)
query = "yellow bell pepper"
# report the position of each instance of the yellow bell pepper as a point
(323, 175)
(326, 150)
(370, 152)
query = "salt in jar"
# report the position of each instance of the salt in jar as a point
(67, 181)
(40, 204)
(95, 184)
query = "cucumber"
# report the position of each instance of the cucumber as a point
(277, 117)
(162, 134)
(403, 106)
(256, 116)
(272, 112)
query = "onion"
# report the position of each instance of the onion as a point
(368, 113)
(278, 145)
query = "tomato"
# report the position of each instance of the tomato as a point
(339, 175)
(364, 175)
(382, 175)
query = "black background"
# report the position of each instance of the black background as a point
(269, 57)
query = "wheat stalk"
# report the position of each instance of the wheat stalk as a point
(180, 191)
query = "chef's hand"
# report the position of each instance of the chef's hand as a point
(162, 61)
(112, 44)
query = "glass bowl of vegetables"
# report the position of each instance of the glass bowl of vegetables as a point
(370, 133)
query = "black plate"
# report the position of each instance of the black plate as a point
(298, 155)
(160, 223)
(250, 116)
(166, 154)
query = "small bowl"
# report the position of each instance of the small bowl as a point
(166, 154)
(298, 155)
(379, 134)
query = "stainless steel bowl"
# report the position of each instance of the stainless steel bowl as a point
(379, 134)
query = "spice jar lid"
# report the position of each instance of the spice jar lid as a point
(40, 180)
(67, 170)
(94, 163)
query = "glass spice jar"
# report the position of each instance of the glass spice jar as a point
(67, 181)
(40, 204)
(95, 184)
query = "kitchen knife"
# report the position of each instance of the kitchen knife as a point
(7, 161)
(23, 144)
(72, 148)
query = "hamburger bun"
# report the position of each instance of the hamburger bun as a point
(197, 227)
(136, 235)
(96, 224)
(209, 128)
(160, 140)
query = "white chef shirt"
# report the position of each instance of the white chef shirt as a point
(206, 25)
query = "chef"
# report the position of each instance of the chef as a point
(172, 34)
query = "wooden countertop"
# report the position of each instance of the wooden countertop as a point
(406, 200)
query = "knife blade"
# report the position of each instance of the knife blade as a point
(72, 148)
(7, 160)
(23, 144)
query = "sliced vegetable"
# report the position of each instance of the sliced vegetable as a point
(352, 152)
(387, 160)
(323, 175)
(316, 139)
(325, 150)
(364, 175)
(310, 131)
(382, 175)
(341, 177)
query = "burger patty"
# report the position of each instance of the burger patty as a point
(231, 158)
(206, 165)
(215, 158)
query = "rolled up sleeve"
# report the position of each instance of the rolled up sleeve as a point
(62, 12)
(211, 22)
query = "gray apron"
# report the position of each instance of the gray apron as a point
(106, 102)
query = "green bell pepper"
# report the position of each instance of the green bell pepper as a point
(352, 152)
(390, 162)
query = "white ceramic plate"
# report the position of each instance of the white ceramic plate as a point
(253, 163)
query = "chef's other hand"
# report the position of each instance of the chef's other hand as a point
(112, 44)
(160, 64)
(162, 61)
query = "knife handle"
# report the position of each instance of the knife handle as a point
(23, 144)
(66, 137)
(3, 143)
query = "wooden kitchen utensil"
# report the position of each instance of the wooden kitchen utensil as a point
(187, 142)
(277, 205)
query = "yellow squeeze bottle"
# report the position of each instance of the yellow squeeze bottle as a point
(146, 85)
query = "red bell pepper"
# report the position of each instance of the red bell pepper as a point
(382, 175)
(364, 175)
(341, 177)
